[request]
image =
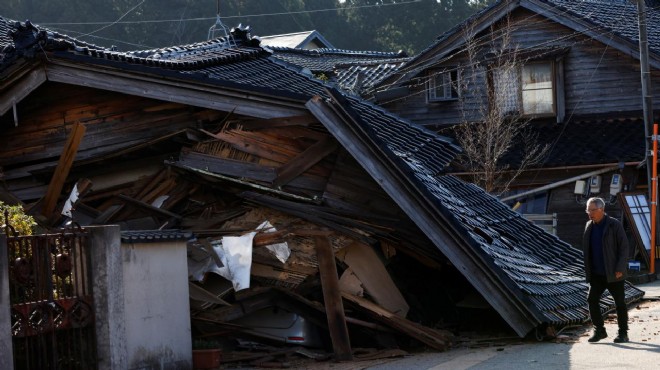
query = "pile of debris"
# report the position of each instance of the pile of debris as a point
(275, 266)
(272, 282)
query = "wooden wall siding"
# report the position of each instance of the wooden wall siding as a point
(597, 79)
(46, 116)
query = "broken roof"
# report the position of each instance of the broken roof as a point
(529, 276)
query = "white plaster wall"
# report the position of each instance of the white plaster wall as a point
(157, 309)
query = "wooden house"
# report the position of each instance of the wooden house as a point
(576, 81)
(217, 137)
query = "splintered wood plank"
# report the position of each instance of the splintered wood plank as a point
(437, 339)
(332, 298)
(62, 170)
(304, 161)
(367, 266)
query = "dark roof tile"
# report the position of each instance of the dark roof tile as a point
(154, 236)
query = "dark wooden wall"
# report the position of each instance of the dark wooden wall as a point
(597, 79)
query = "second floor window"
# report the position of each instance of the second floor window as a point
(537, 89)
(528, 90)
(443, 85)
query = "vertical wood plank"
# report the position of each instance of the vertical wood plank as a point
(332, 297)
(62, 171)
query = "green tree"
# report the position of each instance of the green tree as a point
(21, 222)
(409, 26)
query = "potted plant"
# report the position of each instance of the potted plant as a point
(206, 354)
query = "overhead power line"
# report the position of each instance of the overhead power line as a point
(226, 17)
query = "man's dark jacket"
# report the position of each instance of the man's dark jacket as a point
(615, 249)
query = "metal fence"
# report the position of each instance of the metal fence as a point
(52, 316)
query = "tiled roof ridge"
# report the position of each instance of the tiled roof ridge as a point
(372, 62)
(326, 51)
(228, 55)
(154, 236)
(238, 47)
(28, 37)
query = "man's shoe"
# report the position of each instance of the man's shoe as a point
(621, 338)
(599, 334)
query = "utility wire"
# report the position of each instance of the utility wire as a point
(115, 22)
(228, 17)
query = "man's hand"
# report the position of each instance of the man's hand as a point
(618, 275)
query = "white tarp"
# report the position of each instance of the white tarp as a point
(235, 253)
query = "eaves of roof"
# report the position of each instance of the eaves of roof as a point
(203, 75)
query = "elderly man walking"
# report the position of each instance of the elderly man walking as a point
(605, 248)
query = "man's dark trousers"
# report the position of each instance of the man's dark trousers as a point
(617, 290)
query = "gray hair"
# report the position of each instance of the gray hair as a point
(599, 202)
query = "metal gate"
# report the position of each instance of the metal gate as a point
(52, 313)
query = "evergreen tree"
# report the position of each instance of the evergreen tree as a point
(387, 25)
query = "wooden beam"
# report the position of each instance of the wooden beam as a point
(62, 169)
(149, 207)
(332, 298)
(304, 161)
(436, 339)
(303, 120)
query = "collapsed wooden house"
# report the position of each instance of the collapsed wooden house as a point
(216, 139)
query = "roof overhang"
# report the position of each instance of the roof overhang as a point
(579, 25)
(19, 85)
(453, 42)
(175, 87)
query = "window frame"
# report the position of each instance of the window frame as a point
(553, 88)
(451, 90)
(519, 99)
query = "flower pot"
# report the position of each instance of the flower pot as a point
(206, 358)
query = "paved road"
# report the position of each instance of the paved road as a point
(570, 351)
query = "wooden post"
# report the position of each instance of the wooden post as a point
(332, 296)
